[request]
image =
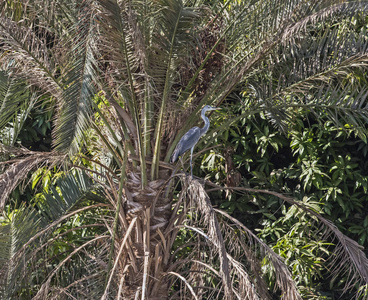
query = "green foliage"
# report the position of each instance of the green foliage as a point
(43, 230)
(294, 239)
(322, 165)
(35, 133)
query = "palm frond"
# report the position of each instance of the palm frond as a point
(27, 56)
(348, 259)
(233, 253)
(233, 57)
(29, 233)
(12, 94)
(75, 109)
(326, 10)
(13, 236)
(71, 189)
(15, 104)
(249, 242)
(174, 24)
(123, 45)
(122, 27)
(197, 194)
(320, 70)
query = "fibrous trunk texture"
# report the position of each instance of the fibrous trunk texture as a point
(142, 266)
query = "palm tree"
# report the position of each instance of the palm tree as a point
(128, 78)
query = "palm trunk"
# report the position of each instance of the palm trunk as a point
(142, 266)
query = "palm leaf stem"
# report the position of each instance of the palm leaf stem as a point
(186, 283)
(116, 221)
(135, 113)
(146, 246)
(74, 283)
(122, 246)
(209, 54)
(147, 121)
(127, 122)
(110, 171)
(107, 124)
(91, 171)
(226, 4)
(165, 96)
(117, 157)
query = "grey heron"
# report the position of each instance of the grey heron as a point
(191, 138)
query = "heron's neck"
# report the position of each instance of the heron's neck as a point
(206, 123)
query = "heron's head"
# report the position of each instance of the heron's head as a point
(209, 107)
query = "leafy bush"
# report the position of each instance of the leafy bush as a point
(323, 166)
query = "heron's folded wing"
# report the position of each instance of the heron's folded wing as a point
(187, 141)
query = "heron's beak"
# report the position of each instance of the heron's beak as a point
(216, 108)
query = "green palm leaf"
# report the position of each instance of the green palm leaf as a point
(173, 26)
(321, 72)
(26, 233)
(15, 104)
(12, 94)
(13, 235)
(75, 109)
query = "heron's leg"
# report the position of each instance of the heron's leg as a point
(191, 157)
(182, 163)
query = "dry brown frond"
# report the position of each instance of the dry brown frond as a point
(232, 257)
(28, 55)
(196, 193)
(283, 276)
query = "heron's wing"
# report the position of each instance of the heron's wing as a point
(187, 141)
